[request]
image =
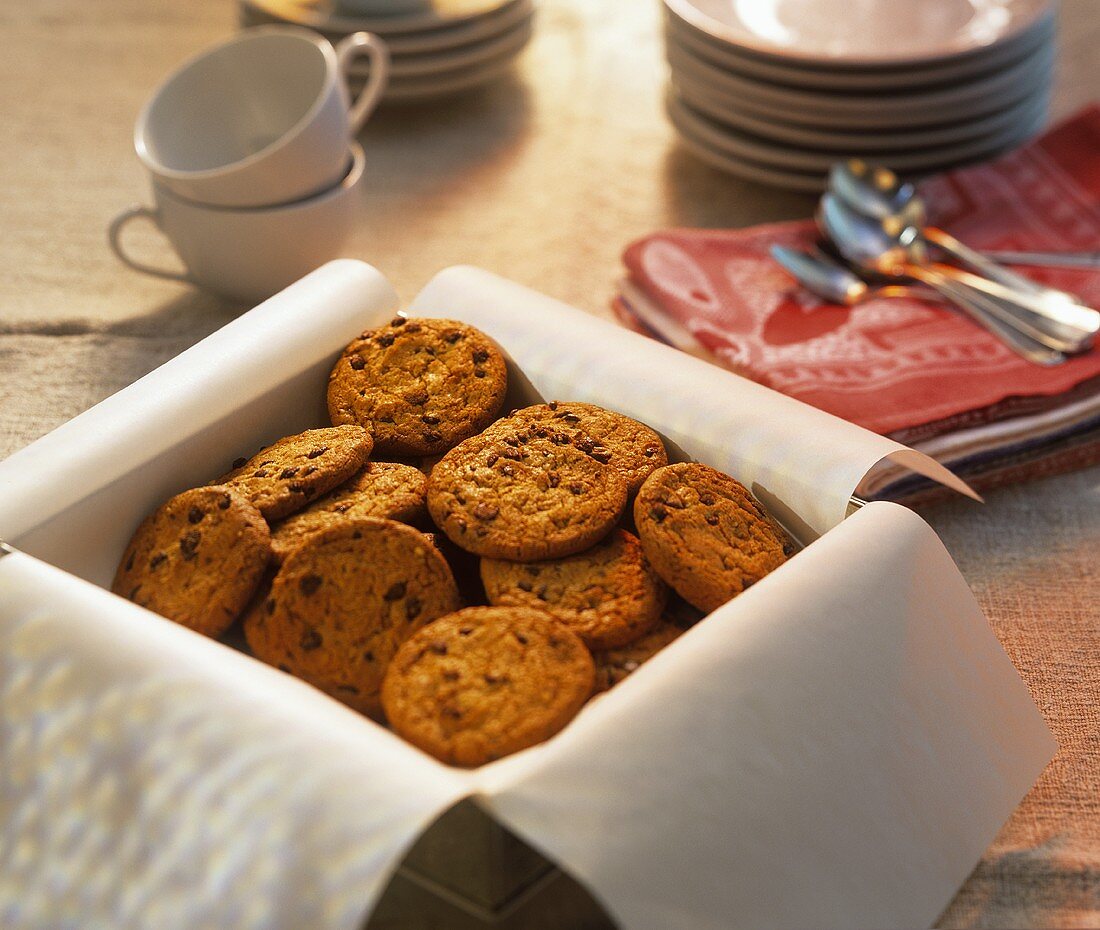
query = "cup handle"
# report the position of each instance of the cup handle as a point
(378, 56)
(114, 236)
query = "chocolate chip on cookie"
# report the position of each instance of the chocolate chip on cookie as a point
(485, 682)
(524, 492)
(197, 559)
(608, 595)
(288, 474)
(380, 489)
(705, 534)
(420, 386)
(345, 600)
(613, 665)
(627, 445)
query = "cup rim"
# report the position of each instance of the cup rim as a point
(318, 41)
(352, 174)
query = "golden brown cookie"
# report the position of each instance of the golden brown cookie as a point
(345, 600)
(704, 533)
(608, 595)
(197, 559)
(524, 493)
(379, 489)
(288, 474)
(613, 665)
(486, 682)
(629, 446)
(420, 386)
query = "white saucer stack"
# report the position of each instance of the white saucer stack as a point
(777, 90)
(442, 48)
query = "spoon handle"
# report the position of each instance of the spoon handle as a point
(1046, 259)
(986, 314)
(990, 269)
(1067, 327)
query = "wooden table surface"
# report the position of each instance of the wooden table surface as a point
(542, 178)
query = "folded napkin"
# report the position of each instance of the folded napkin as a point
(910, 369)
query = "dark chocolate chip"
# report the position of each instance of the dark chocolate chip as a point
(712, 519)
(296, 487)
(486, 511)
(450, 675)
(706, 498)
(259, 473)
(130, 561)
(650, 450)
(439, 648)
(237, 463)
(157, 559)
(432, 436)
(225, 501)
(413, 606)
(452, 336)
(309, 583)
(288, 472)
(189, 544)
(313, 453)
(368, 655)
(385, 340)
(357, 362)
(525, 585)
(465, 631)
(311, 639)
(480, 372)
(195, 515)
(480, 356)
(658, 514)
(398, 321)
(429, 419)
(520, 638)
(396, 591)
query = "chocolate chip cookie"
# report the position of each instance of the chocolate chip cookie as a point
(524, 492)
(380, 489)
(420, 386)
(197, 559)
(288, 474)
(608, 595)
(613, 665)
(485, 682)
(344, 601)
(705, 534)
(627, 445)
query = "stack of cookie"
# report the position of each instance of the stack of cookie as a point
(544, 586)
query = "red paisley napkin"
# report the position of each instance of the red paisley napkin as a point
(902, 367)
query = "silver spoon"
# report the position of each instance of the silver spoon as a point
(820, 275)
(885, 254)
(877, 192)
(855, 237)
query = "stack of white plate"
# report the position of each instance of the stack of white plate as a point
(777, 90)
(438, 47)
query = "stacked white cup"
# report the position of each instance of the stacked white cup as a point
(250, 146)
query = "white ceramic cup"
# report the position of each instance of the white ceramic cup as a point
(263, 118)
(248, 254)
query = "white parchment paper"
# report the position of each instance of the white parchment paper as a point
(835, 747)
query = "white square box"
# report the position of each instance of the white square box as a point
(835, 747)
